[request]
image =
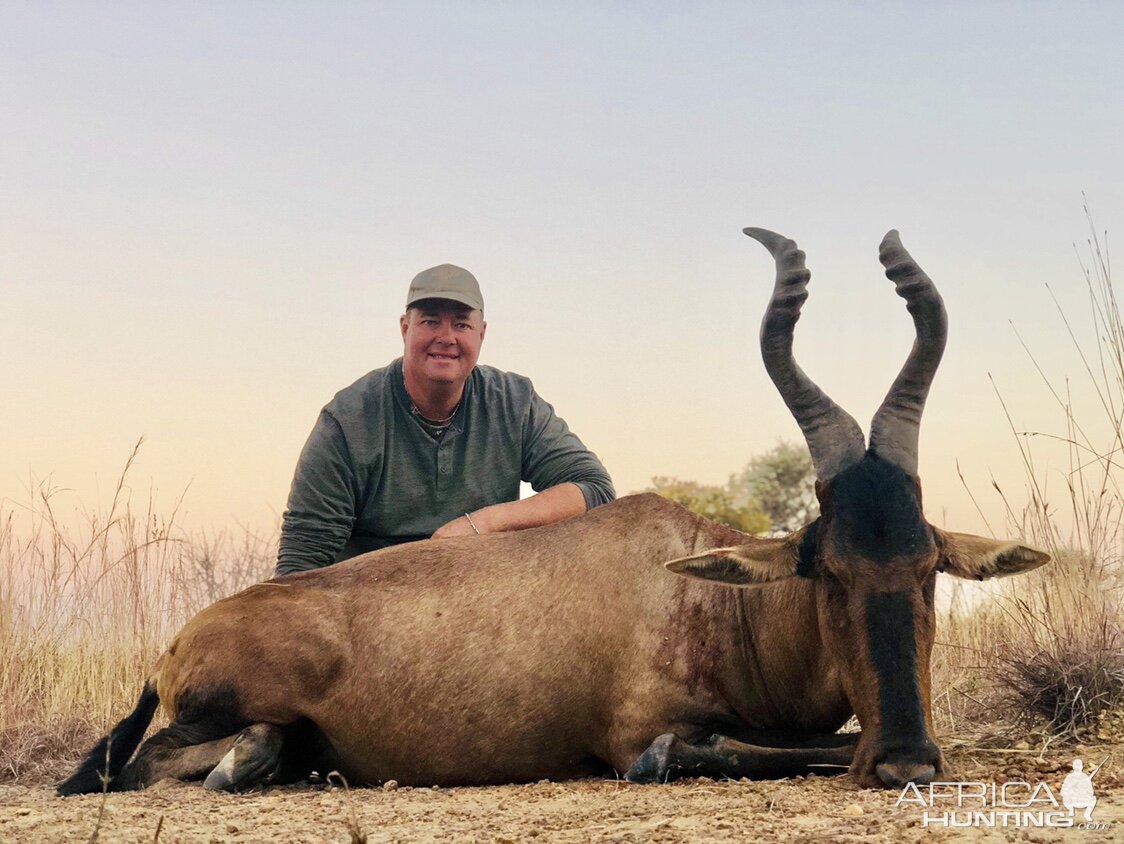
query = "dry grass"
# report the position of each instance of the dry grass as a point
(1049, 650)
(84, 612)
(1046, 654)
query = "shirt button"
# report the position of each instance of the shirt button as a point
(444, 470)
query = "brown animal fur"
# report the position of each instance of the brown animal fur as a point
(568, 649)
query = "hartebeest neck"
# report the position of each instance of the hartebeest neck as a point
(786, 680)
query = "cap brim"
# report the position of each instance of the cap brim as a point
(451, 295)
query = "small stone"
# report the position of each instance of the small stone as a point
(436, 788)
(231, 829)
(1022, 745)
(853, 810)
(390, 785)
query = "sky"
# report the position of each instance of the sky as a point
(210, 213)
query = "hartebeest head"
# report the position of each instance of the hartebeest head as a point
(871, 554)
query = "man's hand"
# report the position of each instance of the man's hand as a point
(459, 526)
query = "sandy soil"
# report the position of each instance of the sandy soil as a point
(812, 809)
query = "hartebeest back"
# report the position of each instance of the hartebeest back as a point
(569, 650)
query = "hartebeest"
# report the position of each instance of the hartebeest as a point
(569, 650)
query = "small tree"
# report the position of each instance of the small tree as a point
(714, 502)
(782, 483)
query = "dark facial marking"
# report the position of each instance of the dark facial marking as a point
(876, 513)
(892, 641)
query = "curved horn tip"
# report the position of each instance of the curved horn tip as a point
(892, 253)
(893, 237)
(769, 239)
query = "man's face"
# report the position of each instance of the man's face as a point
(442, 340)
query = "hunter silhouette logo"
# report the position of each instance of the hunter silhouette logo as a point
(1077, 790)
(1013, 803)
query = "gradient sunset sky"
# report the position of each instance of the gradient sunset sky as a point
(210, 212)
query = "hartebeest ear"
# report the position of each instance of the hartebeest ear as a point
(978, 558)
(742, 565)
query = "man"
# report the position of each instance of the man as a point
(433, 445)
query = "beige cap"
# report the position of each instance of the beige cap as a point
(446, 281)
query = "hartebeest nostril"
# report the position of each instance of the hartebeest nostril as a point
(897, 774)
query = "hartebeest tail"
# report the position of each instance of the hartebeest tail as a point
(104, 763)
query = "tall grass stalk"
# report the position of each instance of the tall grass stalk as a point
(85, 611)
(1054, 639)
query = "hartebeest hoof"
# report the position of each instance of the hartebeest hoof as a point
(252, 761)
(654, 764)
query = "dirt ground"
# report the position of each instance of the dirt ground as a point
(812, 809)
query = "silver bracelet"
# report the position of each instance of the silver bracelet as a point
(472, 523)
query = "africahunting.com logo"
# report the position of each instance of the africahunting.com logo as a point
(1008, 804)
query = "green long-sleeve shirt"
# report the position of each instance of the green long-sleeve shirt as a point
(370, 476)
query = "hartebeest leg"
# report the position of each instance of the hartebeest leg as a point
(669, 757)
(170, 754)
(252, 761)
(774, 738)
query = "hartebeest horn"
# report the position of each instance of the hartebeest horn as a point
(834, 438)
(896, 425)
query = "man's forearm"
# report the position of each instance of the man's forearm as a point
(550, 505)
